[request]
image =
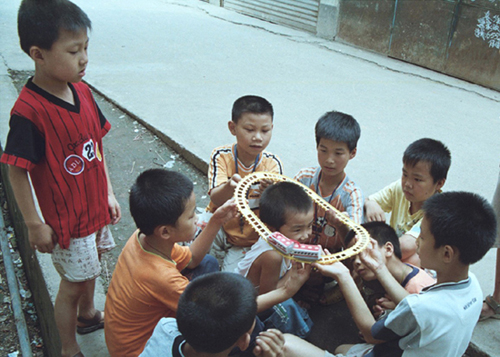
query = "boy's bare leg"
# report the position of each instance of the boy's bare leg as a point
(343, 349)
(65, 310)
(487, 311)
(86, 308)
(297, 347)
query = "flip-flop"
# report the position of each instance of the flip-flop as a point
(494, 305)
(90, 325)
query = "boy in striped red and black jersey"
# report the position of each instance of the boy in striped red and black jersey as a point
(56, 131)
(252, 125)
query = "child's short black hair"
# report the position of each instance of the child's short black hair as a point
(215, 310)
(431, 151)
(39, 22)
(382, 233)
(280, 199)
(158, 197)
(251, 104)
(340, 127)
(463, 220)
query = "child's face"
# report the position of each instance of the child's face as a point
(333, 157)
(67, 59)
(185, 227)
(298, 226)
(426, 246)
(417, 182)
(253, 133)
(358, 266)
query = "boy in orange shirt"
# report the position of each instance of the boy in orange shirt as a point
(153, 270)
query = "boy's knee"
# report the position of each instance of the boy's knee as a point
(408, 245)
(72, 289)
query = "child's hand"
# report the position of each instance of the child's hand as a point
(374, 212)
(383, 304)
(371, 257)
(335, 270)
(233, 181)
(114, 209)
(265, 183)
(386, 303)
(41, 237)
(296, 277)
(225, 212)
(269, 343)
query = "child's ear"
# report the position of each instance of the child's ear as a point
(388, 249)
(164, 232)
(244, 341)
(232, 127)
(36, 54)
(352, 154)
(449, 253)
(440, 184)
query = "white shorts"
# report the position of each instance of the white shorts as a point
(359, 350)
(81, 261)
(227, 255)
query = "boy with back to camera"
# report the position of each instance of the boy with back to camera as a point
(252, 125)
(216, 317)
(425, 166)
(457, 230)
(337, 136)
(411, 278)
(153, 270)
(284, 207)
(55, 136)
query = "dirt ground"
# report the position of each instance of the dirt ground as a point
(9, 345)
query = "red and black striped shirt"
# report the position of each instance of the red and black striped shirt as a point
(60, 145)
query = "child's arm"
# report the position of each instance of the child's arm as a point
(114, 207)
(372, 259)
(298, 275)
(269, 264)
(359, 310)
(40, 235)
(220, 194)
(373, 211)
(203, 242)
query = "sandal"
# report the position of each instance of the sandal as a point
(494, 305)
(90, 325)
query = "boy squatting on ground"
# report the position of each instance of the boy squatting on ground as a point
(425, 166)
(216, 317)
(411, 278)
(153, 270)
(56, 131)
(337, 136)
(457, 230)
(284, 207)
(252, 125)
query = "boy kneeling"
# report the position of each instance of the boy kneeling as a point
(457, 230)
